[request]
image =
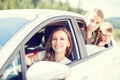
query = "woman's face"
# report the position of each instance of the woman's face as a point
(60, 42)
(93, 21)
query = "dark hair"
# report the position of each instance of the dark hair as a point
(50, 54)
(97, 36)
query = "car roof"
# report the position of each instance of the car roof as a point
(34, 12)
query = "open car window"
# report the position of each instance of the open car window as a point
(36, 44)
(91, 49)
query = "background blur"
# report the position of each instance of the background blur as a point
(110, 8)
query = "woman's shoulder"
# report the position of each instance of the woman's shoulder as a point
(65, 61)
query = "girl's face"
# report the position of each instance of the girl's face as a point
(93, 21)
(60, 42)
(106, 37)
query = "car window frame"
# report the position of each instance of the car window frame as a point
(97, 52)
(79, 38)
(51, 20)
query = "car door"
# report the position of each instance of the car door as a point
(14, 67)
(99, 63)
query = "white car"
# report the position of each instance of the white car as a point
(26, 31)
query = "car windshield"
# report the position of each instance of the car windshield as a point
(9, 26)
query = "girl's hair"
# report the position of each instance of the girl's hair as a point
(105, 27)
(96, 11)
(50, 54)
(97, 36)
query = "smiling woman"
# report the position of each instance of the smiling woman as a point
(59, 46)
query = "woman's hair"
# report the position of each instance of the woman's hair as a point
(105, 27)
(50, 54)
(95, 11)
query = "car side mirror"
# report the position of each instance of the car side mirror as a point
(46, 70)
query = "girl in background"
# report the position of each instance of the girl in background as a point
(93, 19)
(104, 35)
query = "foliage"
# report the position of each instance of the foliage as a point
(115, 21)
(39, 4)
(117, 34)
(116, 24)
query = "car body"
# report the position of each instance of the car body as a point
(24, 31)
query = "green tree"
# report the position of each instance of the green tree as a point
(40, 4)
(26, 4)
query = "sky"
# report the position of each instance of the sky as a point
(110, 8)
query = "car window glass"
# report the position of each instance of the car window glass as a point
(8, 30)
(13, 70)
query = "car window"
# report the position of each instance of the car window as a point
(13, 70)
(8, 30)
(91, 49)
(36, 44)
(82, 27)
(67, 24)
